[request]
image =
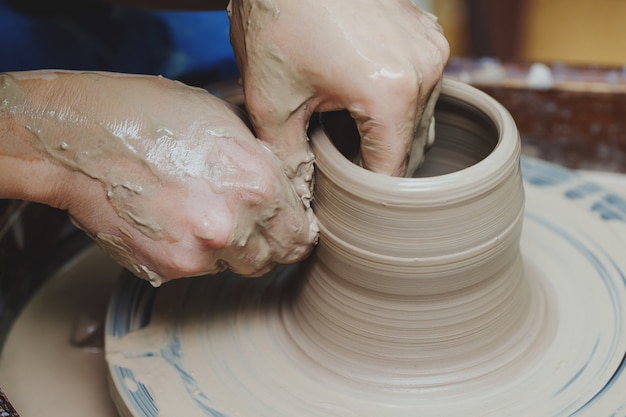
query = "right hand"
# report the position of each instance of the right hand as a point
(166, 178)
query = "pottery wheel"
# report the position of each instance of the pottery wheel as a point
(219, 347)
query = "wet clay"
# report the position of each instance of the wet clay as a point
(417, 301)
(186, 172)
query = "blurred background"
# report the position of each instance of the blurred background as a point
(568, 31)
(82, 34)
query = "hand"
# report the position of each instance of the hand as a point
(379, 59)
(166, 178)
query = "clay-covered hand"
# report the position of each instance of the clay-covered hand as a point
(379, 59)
(166, 178)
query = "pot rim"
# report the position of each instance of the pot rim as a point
(447, 188)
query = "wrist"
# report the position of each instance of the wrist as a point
(37, 180)
(26, 171)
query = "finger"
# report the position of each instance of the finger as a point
(386, 125)
(389, 115)
(425, 134)
(285, 132)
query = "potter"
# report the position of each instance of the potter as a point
(157, 216)
(172, 182)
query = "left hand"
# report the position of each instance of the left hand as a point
(379, 59)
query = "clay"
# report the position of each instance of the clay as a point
(418, 301)
(198, 180)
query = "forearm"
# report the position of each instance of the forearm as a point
(36, 181)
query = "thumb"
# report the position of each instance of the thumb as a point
(286, 137)
(425, 134)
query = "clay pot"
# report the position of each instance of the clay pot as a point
(418, 282)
